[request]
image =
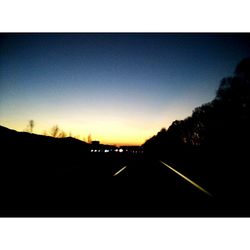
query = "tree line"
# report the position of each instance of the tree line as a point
(223, 122)
(212, 145)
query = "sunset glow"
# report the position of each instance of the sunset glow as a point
(119, 88)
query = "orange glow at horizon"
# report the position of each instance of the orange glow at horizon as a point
(112, 133)
(111, 128)
(120, 88)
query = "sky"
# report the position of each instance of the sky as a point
(121, 88)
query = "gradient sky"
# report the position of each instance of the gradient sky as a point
(120, 88)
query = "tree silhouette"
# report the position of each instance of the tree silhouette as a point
(62, 134)
(54, 131)
(213, 142)
(221, 122)
(89, 138)
(31, 126)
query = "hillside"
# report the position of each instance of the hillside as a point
(11, 136)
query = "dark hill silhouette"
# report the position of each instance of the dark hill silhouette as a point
(47, 176)
(213, 143)
(28, 150)
(32, 166)
(12, 136)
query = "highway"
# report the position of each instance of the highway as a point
(108, 185)
(142, 187)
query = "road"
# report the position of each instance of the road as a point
(104, 185)
(142, 187)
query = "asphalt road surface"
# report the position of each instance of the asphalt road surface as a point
(107, 185)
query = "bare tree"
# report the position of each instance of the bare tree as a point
(31, 126)
(54, 131)
(89, 138)
(62, 134)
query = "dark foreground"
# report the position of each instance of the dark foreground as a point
(44, 176)
(91, 187)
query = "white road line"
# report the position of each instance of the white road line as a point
(187, 179)
(118, 172)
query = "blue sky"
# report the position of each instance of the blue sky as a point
(120, 88)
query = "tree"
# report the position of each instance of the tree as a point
(54, 131)
(62, 134)
(31, 126)
(223, 122)
(89, 138)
